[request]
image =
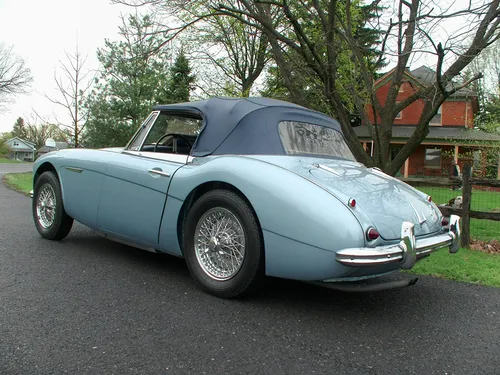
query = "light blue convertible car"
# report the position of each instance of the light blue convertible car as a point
(243, 188)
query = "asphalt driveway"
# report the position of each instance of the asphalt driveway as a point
(89, 306)
(15, 168)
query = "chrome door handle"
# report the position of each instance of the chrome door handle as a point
(159, 172)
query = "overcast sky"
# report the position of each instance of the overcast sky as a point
(40, 31)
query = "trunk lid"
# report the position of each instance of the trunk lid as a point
(385, 200)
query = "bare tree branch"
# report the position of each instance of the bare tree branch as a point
(73, 87)
(15, 77)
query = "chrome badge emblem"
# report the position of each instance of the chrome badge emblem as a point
(421, 219)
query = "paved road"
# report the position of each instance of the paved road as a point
(15, 168)
(89, 306)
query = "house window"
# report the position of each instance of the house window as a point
(400, 114)
(477, 159)
(16, 143)
(433, 158)
(436, 120)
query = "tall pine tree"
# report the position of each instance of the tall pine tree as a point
(181, 80)
(310, 86)
(134, 77)
(19, 128)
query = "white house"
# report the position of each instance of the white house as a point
(21, 149)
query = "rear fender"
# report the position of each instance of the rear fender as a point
(287, 206)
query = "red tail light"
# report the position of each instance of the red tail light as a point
(372, 234)
(352, 202)
(429, 198)
(445, 221)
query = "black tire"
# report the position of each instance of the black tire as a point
(250, 275)
(61, 224)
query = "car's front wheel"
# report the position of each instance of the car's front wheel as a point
(51, 220)
(223, 246)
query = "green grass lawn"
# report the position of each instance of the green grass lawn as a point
(22, 182)
(466, 265)
(9, 161)
(488, 201)
(481, 200)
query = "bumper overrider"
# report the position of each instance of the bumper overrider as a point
(407, 251)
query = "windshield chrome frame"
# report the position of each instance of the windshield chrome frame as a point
(146, 126)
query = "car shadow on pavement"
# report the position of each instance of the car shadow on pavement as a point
(276, 292)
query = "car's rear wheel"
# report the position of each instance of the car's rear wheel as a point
(223, 246)
(51, 220)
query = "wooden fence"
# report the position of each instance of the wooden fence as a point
(465, 212)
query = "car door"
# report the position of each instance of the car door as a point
(134, 193)
(135, 188)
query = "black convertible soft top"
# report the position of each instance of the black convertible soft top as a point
(245, 125)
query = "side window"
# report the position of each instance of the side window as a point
(141, 132)
(173, 134)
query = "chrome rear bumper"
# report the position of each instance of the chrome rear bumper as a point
(407, 251)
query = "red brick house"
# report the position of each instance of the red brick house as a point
(451, 131)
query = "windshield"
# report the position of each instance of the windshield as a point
(303, 138)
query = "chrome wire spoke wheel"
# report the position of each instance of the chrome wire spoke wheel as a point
(219, 242)
(46, 206)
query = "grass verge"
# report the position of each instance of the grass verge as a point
(9, 161)
(488, 201)
(481, 200)
(467, 265)
(22, 182)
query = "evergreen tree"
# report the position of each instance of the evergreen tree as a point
(181, 80)
(310, 86)
(19, 129)
(134, 77)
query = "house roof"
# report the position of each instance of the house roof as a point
(425, 76)
(62, 145)
(428, 77)
(59, 146)
(45, 149)
(443, 134)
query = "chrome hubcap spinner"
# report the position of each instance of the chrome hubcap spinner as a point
(46, 206)
(219, 243)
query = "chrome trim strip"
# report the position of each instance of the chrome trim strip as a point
(407, 252)
(73, 169)
(173, 158)
(145, 124)
(161, 173)
(149, 125)
(328, 169)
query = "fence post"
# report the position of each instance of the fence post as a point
(466, 199)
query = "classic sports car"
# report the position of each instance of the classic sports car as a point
(243, 188)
